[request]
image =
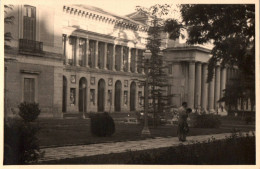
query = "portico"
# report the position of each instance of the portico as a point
(191, 67)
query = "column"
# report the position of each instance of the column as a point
(121, 58)
(66, 49)
(105, 56)
(136, 60)
(223, 84)
(211, 94)
(191, 85)
(77, 52)
(113, 58)
(129, 60)
(96, 56)
(87, 52)
(217, 87)
(204, 93)
(198, 85)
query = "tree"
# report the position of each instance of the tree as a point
(157, 76)
(231, 30)
(8, 20)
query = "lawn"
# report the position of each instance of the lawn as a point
(62, 132)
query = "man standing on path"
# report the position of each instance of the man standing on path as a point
(182, 113)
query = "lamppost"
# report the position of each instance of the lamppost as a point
(83, 105)
(147, 56)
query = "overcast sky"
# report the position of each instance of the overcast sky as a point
(124, 7)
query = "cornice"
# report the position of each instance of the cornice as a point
(118, 22)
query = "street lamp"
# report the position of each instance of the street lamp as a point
(147, 56)
(83, 105)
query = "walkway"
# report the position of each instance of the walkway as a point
(67, 152)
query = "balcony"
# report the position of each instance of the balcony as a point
(30, 46)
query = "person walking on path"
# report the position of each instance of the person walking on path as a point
(183, 128)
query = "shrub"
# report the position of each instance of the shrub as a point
(102, 124)
(21, 145)
(205, 120)
(29, 111)
(232, 150)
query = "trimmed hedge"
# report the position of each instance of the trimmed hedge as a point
(205, 120)
(102, 125)
(233, 150)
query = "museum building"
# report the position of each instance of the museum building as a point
(79, 58)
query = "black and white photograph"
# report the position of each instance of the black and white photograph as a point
(123, 82)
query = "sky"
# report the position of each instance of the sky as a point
(122, 7)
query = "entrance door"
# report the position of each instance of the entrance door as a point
(118, 93)
(83, 95)
(132, 96)
(101, 95)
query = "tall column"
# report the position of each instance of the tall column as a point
(136, 60)
(129, 60)
(204, 94)
(121, 58)
(223, 83)
(198, 85)
(211, 94)
(217, 87)
(77, 51)
(191, 85)
(87, 52)
(113, 58)
(105, 56)
(66, 49)
(96, 56)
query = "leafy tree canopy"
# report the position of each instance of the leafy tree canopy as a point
(231, 30)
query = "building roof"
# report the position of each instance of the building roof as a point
(99, 10)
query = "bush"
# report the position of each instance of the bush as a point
(102, 124)
(205, 120)
(21, 146)
(29, 111)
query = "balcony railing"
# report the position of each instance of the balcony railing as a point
(30, 46)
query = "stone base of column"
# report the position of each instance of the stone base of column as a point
(212, 111)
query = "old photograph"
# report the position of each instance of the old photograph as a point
(129, 82)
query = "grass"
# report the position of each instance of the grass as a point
(63, 132)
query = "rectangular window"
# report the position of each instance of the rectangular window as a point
(72, 50)
(29, 23)
(140, 57)
(92, 51)
(72, 96)
(109, 98)
(125, 97)
(82, 52)
(170, 69)
(29, 90)
(125, 58)
(140, 98)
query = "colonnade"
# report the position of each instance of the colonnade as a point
(100, 55)
(206, 95)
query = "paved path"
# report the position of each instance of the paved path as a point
(59, 153)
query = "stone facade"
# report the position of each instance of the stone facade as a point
(81, 59)
(78, 58)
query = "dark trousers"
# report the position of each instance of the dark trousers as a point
(182, 131)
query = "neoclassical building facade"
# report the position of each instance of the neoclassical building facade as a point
(73, 58)
(78, 58)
